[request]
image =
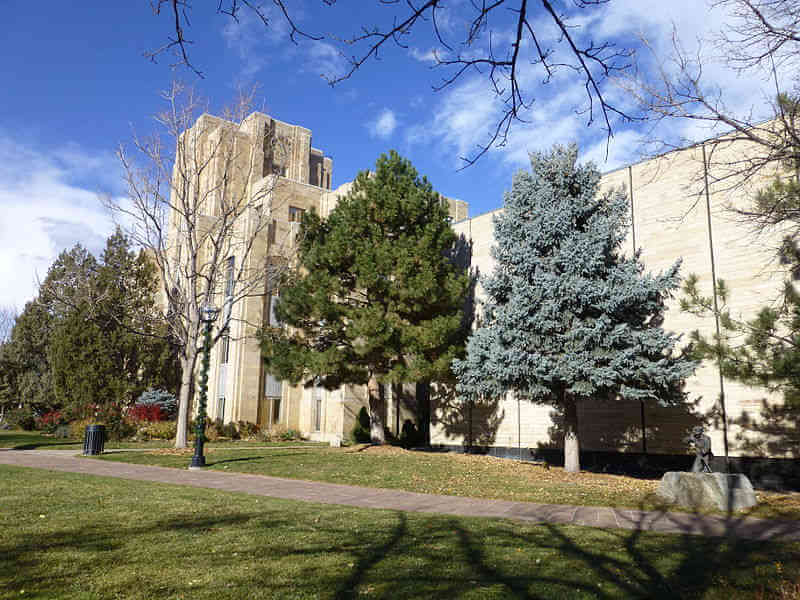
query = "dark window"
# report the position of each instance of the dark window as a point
(226, 348)
(229, 275)
(295, 214)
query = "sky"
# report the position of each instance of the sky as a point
(78, 84)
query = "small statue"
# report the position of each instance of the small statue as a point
(702, 448)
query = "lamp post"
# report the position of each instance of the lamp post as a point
(208, 314)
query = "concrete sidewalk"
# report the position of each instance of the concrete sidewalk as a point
(348, 495)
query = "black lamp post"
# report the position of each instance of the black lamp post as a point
(208, 314)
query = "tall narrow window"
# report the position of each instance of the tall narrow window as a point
(317, 406)
(220, 409)
(229, 277)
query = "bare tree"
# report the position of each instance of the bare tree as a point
(761, 39)
(201, 205)
(499, 40)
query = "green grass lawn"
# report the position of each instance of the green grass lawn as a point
(32, 440)
(452, 474)
(85, 537)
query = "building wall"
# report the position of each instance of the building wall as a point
(671, 218)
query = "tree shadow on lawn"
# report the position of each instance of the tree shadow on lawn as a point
(28, 446)
(331, 552)
(233, 460)
(505, 560)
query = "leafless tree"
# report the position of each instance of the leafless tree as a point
(196, 197)
(498, 39)
(8, 316)
(761, 38)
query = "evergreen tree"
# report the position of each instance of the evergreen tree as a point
(25, 376)
(375, 299)
(91, 337)
(763, 351)
(109, 346)
(568, 318)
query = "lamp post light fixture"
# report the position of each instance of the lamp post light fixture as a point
(208, 314)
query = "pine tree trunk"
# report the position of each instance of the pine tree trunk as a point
(185, 396)
(572, 460)
(376, 410)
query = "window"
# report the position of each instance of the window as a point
(273, 387)
(317, 407)
(225, 352)
(296, 214)
(273, 318)
(220, 409)
(276, 411)
(229, 277)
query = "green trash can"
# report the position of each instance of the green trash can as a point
(93, 440)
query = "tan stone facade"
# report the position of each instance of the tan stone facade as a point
(671, 218)
(291, 177)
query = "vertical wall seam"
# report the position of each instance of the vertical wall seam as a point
(633, 241)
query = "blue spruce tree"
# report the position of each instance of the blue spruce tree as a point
(567, 317)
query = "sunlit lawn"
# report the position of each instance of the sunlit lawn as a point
(450, 474)
(77, 536)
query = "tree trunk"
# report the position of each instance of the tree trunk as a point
(572, 460)
(376, 410)
(188, 363)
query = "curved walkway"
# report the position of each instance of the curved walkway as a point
(349, 495)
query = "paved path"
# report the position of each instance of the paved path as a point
(348, 495)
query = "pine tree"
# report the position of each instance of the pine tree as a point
(568, 318)
(376, 299)
(109, 346)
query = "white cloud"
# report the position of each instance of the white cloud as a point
(45, 210)
(257, 43)
(426, 56)
(384, 125)
(324, 59)
(466, 113)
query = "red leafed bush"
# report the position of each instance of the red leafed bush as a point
(147, 412)
(50, 421)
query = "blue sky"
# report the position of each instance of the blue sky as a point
(78, 85)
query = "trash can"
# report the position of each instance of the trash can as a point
(93, 440)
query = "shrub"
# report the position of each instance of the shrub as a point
(247, 430)
(409, 436)
(118, 427)
(157, 430)
(213, 431)
(50, 421)
(22, 418)
(291, 435)
(161, 398)
(147, 412)
(229, 430)
(360, 431)
(78, 428)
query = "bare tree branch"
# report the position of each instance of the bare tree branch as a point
(476, 51)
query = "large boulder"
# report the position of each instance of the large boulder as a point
(725, 492)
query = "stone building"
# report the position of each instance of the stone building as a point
(679, 208)
(677, 211)
(289, 177)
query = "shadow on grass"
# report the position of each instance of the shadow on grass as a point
(233, 460)
(342, 553)
(29, 446)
